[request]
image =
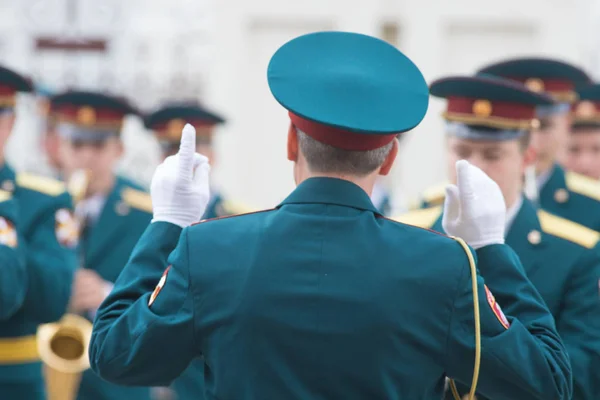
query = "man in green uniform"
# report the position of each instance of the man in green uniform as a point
(584, 144)
(321, 296)
(566, 194)
(488, 124)
(114, 211)
(167, 122)
(49, 236)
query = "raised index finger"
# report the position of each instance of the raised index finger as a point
(464, 180)
(187, 149)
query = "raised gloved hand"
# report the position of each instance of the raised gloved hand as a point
(474, 209)
(180, 185)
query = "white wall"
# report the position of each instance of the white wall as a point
(220, 49)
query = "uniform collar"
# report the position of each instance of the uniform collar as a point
(525, 227)
(7, 173)
(512, 211)
(555, 189)
(331, 191)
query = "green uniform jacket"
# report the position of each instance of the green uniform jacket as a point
(572, 196)
(323, 298)
(562, 260)
(48, 232)
(106, 247)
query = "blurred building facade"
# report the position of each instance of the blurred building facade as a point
(217, 51)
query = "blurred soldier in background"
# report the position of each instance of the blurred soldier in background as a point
(113, 213)
(49, 139)
(584, 143)
(49, 236)
(566, 194)
(167, 122)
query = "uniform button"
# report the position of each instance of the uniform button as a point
(534, 237)
(8, 185)
(122, 208)
(561, 195)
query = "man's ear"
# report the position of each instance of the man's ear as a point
(292, 144)
(529, 156)
(389, 160)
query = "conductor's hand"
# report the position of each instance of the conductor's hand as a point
(179, 188)
(474, 209)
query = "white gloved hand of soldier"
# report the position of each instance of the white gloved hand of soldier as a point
(180, 185)
(474, 209)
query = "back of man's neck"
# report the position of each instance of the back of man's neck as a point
(366, 183)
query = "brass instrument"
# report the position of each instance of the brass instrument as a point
(63, 345)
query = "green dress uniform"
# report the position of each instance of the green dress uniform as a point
(562, 260)
(322, 297)
(47, 238)
(414, 324)
(166, 124)
(109, 232)
(49, 233)
(560, 257)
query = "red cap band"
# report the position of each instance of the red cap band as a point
(546, 85)
(7, 91)
(340, 138)
(488, 108)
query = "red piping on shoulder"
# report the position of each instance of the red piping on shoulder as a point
(425, 229)
(232, 216)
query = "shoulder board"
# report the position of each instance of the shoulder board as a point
(583, 185)
(435, 195)
(5, 195)
(42, 184)
(424, 218)
(232, 207)
(232, 216)
(568, 230)
(137, 199)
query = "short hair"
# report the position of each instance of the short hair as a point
(323, 158)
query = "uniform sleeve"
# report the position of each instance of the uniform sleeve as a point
(144, 332)
(522, 355)
(579, 325)
(51, 261)
(13, 274)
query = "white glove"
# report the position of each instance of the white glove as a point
(179, 188)
(474, 209)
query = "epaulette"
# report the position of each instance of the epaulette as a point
(583, 185)
(434, 196)
(137, 199)
(568, 230)
(423, 218)
(5, 195)
(232, 216)
(234, 208)
(42, 184)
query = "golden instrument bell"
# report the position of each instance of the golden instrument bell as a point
(63, 348)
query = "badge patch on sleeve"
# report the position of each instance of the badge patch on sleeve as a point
(67, 228)
(8, 233)
(159, 287)
(496, 308)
